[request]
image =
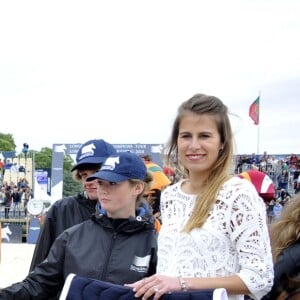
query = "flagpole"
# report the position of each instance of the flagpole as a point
(257, 150)
(254, 114)
(258, 126)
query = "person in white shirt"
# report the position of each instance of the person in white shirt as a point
(214, 231)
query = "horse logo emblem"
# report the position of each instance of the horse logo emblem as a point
(111, 163)
(88, 149)
(156, 148)
(6, 232)
(60, 148)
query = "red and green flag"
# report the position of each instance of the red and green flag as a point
(254, 111)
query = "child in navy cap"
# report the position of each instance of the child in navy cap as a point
(79, 207)
(122, 177)
(116, 245)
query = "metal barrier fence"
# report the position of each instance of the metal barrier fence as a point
(13, 212)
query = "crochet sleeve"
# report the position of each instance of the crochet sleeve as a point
(249, 233)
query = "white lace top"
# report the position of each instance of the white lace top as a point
(233, 240)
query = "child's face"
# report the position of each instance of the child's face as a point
(118, 199)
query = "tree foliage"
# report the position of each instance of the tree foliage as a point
(70, 187)
(43, 159)
(7, 142)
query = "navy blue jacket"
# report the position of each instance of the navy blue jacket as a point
(287, 262)
(118, 251)
(62, 215)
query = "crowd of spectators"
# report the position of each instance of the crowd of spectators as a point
(14, 199)
(284, 172)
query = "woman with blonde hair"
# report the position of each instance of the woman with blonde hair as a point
(214, 232)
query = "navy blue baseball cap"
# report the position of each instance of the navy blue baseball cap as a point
(121, 167)
(93, 152)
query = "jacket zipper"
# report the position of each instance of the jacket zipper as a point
(104, 272)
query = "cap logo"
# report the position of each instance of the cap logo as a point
(87, 150)
(111, 163)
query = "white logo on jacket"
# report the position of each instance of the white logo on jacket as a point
(140, 264)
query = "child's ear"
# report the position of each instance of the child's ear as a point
(139, 188)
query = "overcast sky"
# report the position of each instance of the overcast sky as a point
(71, 71)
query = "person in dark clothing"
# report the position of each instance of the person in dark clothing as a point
(285, 241)
(154, 201)
(118, 244)
(16, 202)
(7, 203)
(75, 209)
(290, 286)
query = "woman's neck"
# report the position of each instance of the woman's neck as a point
(195, 184)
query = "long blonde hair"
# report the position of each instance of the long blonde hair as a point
(286, 230)
(203, 104)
